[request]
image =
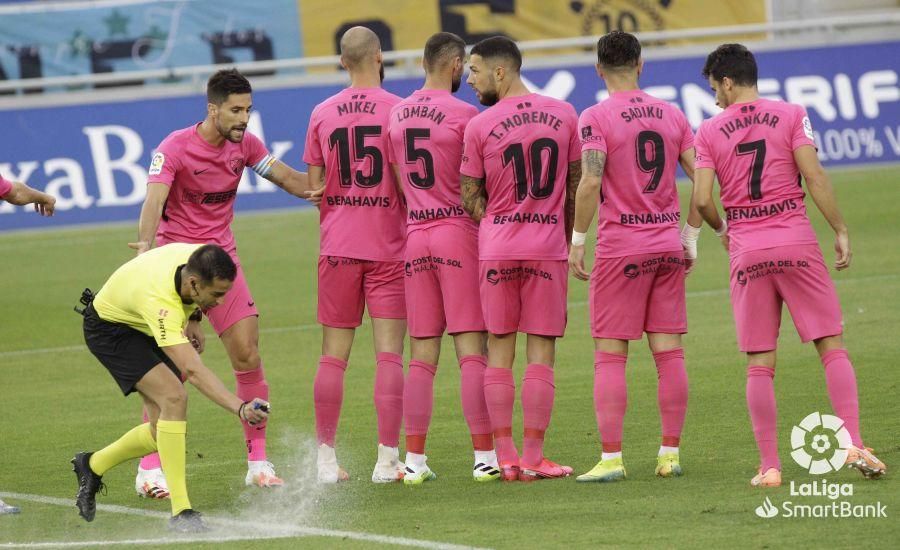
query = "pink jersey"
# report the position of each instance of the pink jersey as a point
(426, 133)
(361, 215)
(751, 148)
(203, 181)
(5, 187)
(643, 138)
(522, 147)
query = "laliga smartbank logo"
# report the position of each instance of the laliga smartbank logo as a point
(820, 444)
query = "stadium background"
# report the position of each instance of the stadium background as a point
(88, 88)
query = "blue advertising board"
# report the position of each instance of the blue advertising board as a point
(95, 159)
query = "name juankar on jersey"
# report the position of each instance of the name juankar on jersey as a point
(741, 122)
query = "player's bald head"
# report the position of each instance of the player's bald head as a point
(358, 46)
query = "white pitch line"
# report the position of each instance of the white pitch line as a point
(306, 327)
(275, 531)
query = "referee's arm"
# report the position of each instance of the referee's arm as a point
(191, 366)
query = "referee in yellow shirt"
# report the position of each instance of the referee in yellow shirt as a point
(143, 326)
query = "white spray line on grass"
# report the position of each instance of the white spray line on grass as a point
(273, 531)
(306, 327)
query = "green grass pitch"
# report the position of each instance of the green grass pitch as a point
(58, 400)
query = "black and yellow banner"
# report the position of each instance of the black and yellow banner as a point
(407, 24)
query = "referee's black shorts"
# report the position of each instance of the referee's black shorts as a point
(126, 353)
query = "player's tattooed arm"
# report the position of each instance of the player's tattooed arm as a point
(474, 196)
(572, 179)
(589, 188)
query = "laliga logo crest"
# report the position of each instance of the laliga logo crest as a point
(820, 443)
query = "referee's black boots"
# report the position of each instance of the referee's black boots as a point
(89, 484)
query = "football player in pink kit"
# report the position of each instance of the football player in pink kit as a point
(633, 143)
(426, 132)
(759, 149)
(18, 193)
(193, 179)
(519, 172)
(361, 254)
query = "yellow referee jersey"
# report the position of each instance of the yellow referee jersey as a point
(142, 294)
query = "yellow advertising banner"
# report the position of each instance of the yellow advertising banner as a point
(407, 24)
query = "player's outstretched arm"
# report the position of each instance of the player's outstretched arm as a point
(474, 196)
(586, 199)
(294, 182)
(21, 195)
(191, 366)
(819, 186)
(704, 178)
(151, 213)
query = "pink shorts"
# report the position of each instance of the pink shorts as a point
(524, 296)
(441, 273)
(761, 280)
(237, 305)
(640, 293)
(348, 285)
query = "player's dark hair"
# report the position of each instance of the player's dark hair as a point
(211, 262)
(224, 83)
(441, 48)
(618, 50)
(734, 61)
(500, 47)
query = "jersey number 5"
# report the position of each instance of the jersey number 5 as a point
(340, 138)
(413, 154)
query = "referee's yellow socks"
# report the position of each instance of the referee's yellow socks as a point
(134, 444)
(170, 435)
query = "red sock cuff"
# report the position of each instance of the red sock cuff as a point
(536, 371)
(759, 370)
(254, 376)
(430, 369)
(333, 361)
(662, 356)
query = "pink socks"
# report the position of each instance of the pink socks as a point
(671, 394)
(841, 382)
(500, 395)
(328, 395)
(537, 406)
(610, 398)
(250, 385)
(763, 414)
(418, 402)
(389, 397)
(471, 381)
